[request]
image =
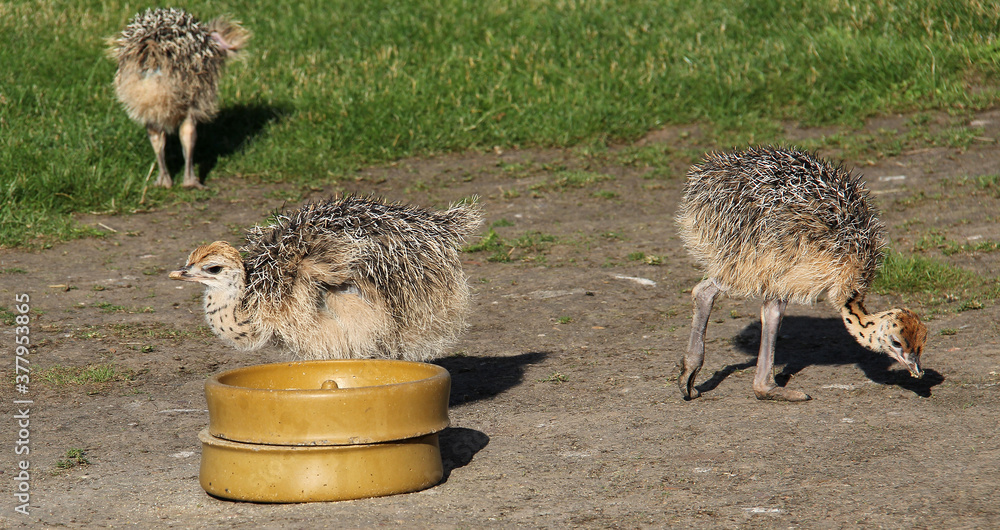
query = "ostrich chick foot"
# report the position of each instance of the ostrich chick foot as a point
(164, 181)
(686, 381)
(194, 183)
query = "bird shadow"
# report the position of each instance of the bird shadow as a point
(476, 378)
(232, 129)
(809, 341)
(473, 379)
(458, 447)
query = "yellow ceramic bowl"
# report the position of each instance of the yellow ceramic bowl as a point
(338, 402)
(274, 473)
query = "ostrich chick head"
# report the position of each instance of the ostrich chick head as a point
(216, 265)
(901, 335)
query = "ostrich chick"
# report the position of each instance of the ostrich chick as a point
(168, 76)
(781, 225)
(348, 278)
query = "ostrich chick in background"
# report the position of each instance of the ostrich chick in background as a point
(781, 225)
(168, 76)
(342, 278)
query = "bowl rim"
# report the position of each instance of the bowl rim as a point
(353, 415)
(437, 372)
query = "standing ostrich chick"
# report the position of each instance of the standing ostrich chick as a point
(781, 225)
(168, 76)
(348, 278)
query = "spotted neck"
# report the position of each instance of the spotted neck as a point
(226, 317)
(865, 327)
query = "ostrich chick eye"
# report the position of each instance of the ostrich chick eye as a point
(895, 343)
(214, 269)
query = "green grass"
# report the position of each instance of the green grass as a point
(7, 317)
(936, 240)
(492, 243)
(883, 143)
(108, 307)
(141, 331)
(556, 378)
(917, 275)
(331, 86)
(60, 375)
(532, 244)
(647, 259)
(575, 179)
(989, 183)
(74, 457)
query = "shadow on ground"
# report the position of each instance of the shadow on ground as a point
(458, 446)
(473, 379)
(476, 378)
(232, 129)
(809, 341)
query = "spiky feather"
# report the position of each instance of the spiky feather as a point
(169, 65)
(342, 278)
(398, 248)
(780, 223)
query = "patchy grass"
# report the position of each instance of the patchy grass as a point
(990, 183)
(884, 143)
(139, 335)
(934, 239)
(330, 87)
(644, 258)
(934, 281)
(570, 179)
(156, 331)
(108, 307)
(556, 378)
(74, 458)
(532, 244)
(517, 170)
(95, 374)
(492, 243)
(7, 316)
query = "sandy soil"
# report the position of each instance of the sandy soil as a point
(565, 410)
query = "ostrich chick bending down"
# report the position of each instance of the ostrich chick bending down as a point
(781, 225)
(168, 76)
(348, 278)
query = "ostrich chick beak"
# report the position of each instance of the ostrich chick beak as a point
(182, 274)
(913, 365)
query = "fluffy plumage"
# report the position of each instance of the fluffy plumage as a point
(342, 278)
(779, 223)
(168, 75)
(783, 225)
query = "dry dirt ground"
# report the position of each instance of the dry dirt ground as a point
(565, 410)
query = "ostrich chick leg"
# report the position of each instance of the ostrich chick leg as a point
(189, 134)
(704, 297)
(158, 138)
(764, 385)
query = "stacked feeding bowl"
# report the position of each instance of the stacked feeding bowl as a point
(324, 430)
